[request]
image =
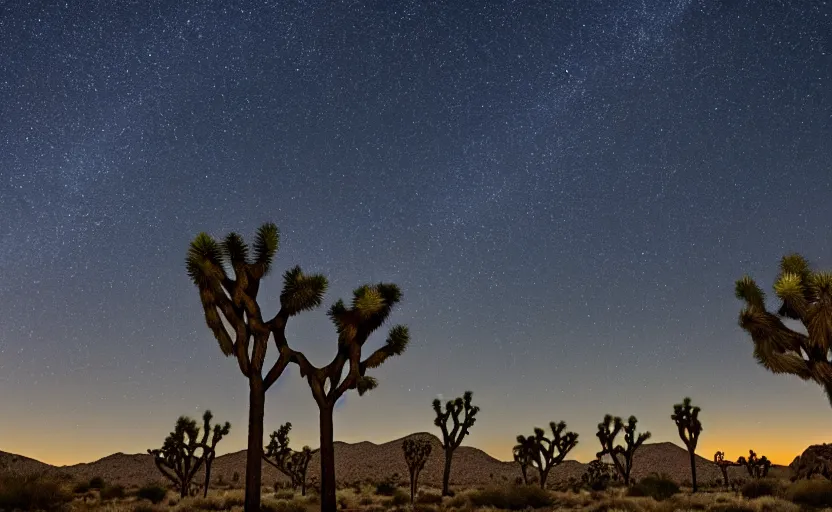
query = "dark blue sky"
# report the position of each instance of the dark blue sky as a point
(565, 192)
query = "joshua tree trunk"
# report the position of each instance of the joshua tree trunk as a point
(693, 469)
(256, 407)
(525, 475)
(208, 461)
(412, 487)
(543, 476)
(446, 475)
(328, 502)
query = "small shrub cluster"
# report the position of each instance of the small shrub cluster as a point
(428, 498)
(112, 492)
(658, 487)
(512, 498)
(761, 487)
(811, 493)
(388, 486)
(31, 492)
(283, 506)
(97, 483)
(154, 493)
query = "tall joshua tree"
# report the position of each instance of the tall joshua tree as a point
(237, 322)
(183, 453)
(210, 449)
(806, 296)
(723, 465)
(462, 416)
(622, 458)
(289, 462)
(541, 449)
(416, 454)
(370, 307)
(687, 421)
(523, 453)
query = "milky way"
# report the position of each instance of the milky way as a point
(565, 192)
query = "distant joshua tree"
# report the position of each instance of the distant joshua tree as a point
(723, 465)
(211, 448)
(236, 320)
(598, 475)
(806, 296)
(523, 453)
(687, 422)
(622, 458)
(183, 453)
(416, 454)
(757, 467)
(289, 462)
(462, 416)
(540, 450)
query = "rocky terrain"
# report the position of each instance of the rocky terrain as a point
(375, 462)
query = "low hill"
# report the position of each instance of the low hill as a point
(375, 462)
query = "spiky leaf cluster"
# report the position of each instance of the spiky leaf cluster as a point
(622, 456)
(462, 415)
(416, 453)
(228, 275)
(686, 417)
(806, 296)
(544, 452)
(291, 463)
(757, 467)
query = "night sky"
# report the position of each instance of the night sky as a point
(565, 191)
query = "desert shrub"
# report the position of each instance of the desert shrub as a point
(400, 498)
(283, 506)
(424, 507)
(732, 507)
(772, 504)
(144, 507)
(343, 501)
(96, 482)
(365, 500)
(81, 488)
(761, 487)
(387, 486)
(31, 492)
(658, 487)
(811, 493)
(458, 501)
(429, 498)
(112, 492)
(512, 498)
(286, 494)
(153, 493)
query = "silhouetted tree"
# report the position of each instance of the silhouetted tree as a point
(462, 416)
(806, 297)
(723, 465)
(211, 448)
(598, 475)
(622, 458)
(541, 449)
(687, 422)
(289, 462)
(757, 467)
(370, 307)
(523, 453)
(183, 453)
(232, 302)
(416, 454)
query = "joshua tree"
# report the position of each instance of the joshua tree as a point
(523, 452)
(289, 462)
(622, 458)
(416, 454)
(236, 320)
(541, 449)
(806, 297)
(210, 450)
(178, 460)
(463, 416)
(723, 465)
(370, 307)
(687, 421)
(756, 467)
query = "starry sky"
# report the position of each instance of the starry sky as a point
(565, 191)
